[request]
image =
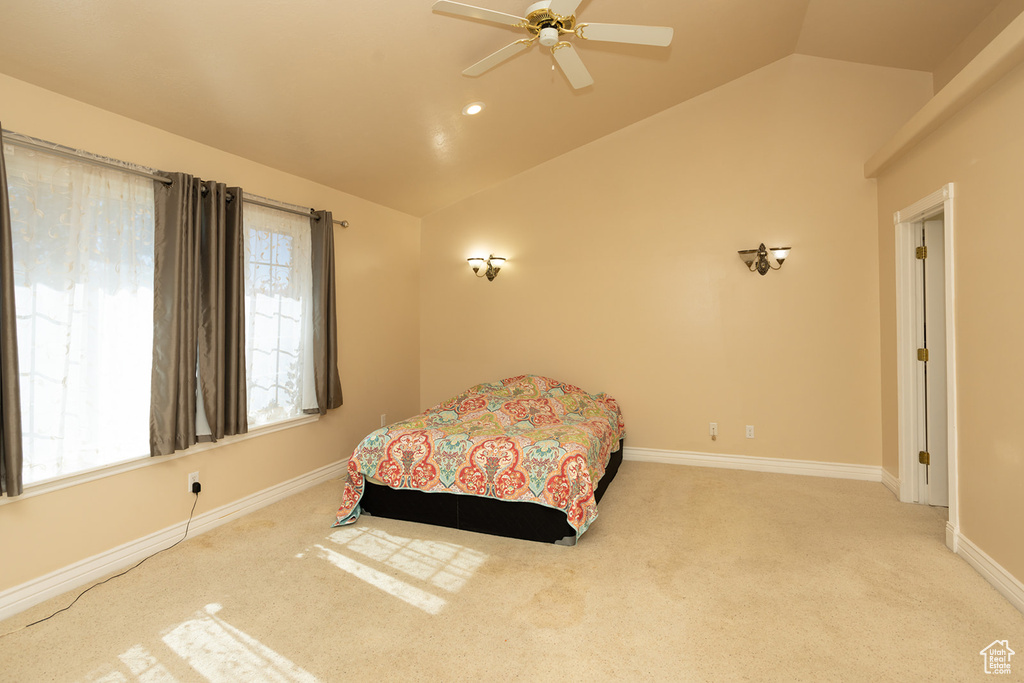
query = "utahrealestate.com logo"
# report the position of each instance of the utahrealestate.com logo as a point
(997, 657)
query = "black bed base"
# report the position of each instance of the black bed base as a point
(514, 519)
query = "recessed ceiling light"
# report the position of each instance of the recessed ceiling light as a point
(473, 108)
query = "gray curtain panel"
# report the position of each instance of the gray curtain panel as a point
(325, 316)
(10, 396)
(222, 311)
(198, 313)
(176, 242)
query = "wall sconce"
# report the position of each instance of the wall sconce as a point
(493, 263)
(757, 259)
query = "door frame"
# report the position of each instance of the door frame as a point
(908, 303)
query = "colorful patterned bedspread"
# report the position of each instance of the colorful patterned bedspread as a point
(526, 438)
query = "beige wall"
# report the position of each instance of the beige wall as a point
(377, 281)
(981, 150)
(623, 275)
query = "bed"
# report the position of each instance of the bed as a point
(528, 457)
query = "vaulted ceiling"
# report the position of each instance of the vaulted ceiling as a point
(366, 97)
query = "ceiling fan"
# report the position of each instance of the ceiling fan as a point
(547, 22)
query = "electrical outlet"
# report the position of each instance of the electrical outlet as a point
(713, 429)
(750, 431)
(193, 478)
(383, 420)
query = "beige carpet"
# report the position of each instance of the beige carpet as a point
(688, 574)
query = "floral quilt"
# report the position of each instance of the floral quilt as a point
(526, 438)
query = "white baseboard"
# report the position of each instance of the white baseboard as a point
(892, 483)
(20, 598)
(813, 468)
(1002, 580)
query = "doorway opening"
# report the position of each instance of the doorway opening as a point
(926, 355)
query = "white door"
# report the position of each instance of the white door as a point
(933, 477)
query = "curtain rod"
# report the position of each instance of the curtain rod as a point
(67, 153)
(17, 140)
(297, 212)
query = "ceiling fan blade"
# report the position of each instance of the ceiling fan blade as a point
(461, 10)
(627, 33)
(572, 66)
(564, 8)
(493, 60)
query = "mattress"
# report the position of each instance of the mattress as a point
(528, 439)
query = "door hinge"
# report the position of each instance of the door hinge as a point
(924, 457)
(922, 354)
(922, 252)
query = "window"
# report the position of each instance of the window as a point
(83, 271)
(83, 253)
(278, 312)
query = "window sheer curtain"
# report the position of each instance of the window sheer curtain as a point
(82, 270)
(10, 409)
(279, 315)
(198, 315)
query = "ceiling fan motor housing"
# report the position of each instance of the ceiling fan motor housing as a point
(546, 26)
(548, 36)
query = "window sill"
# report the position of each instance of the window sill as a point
(51, 485)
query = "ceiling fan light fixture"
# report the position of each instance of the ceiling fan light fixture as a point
(473, 108)
(548, 36)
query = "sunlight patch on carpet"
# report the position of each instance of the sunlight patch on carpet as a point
(221, 652)
(445, 565)
(416, 597)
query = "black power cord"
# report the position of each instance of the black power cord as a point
(195, 489)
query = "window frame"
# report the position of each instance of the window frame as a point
(283, 229)
(67, 481)
(79, 185)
